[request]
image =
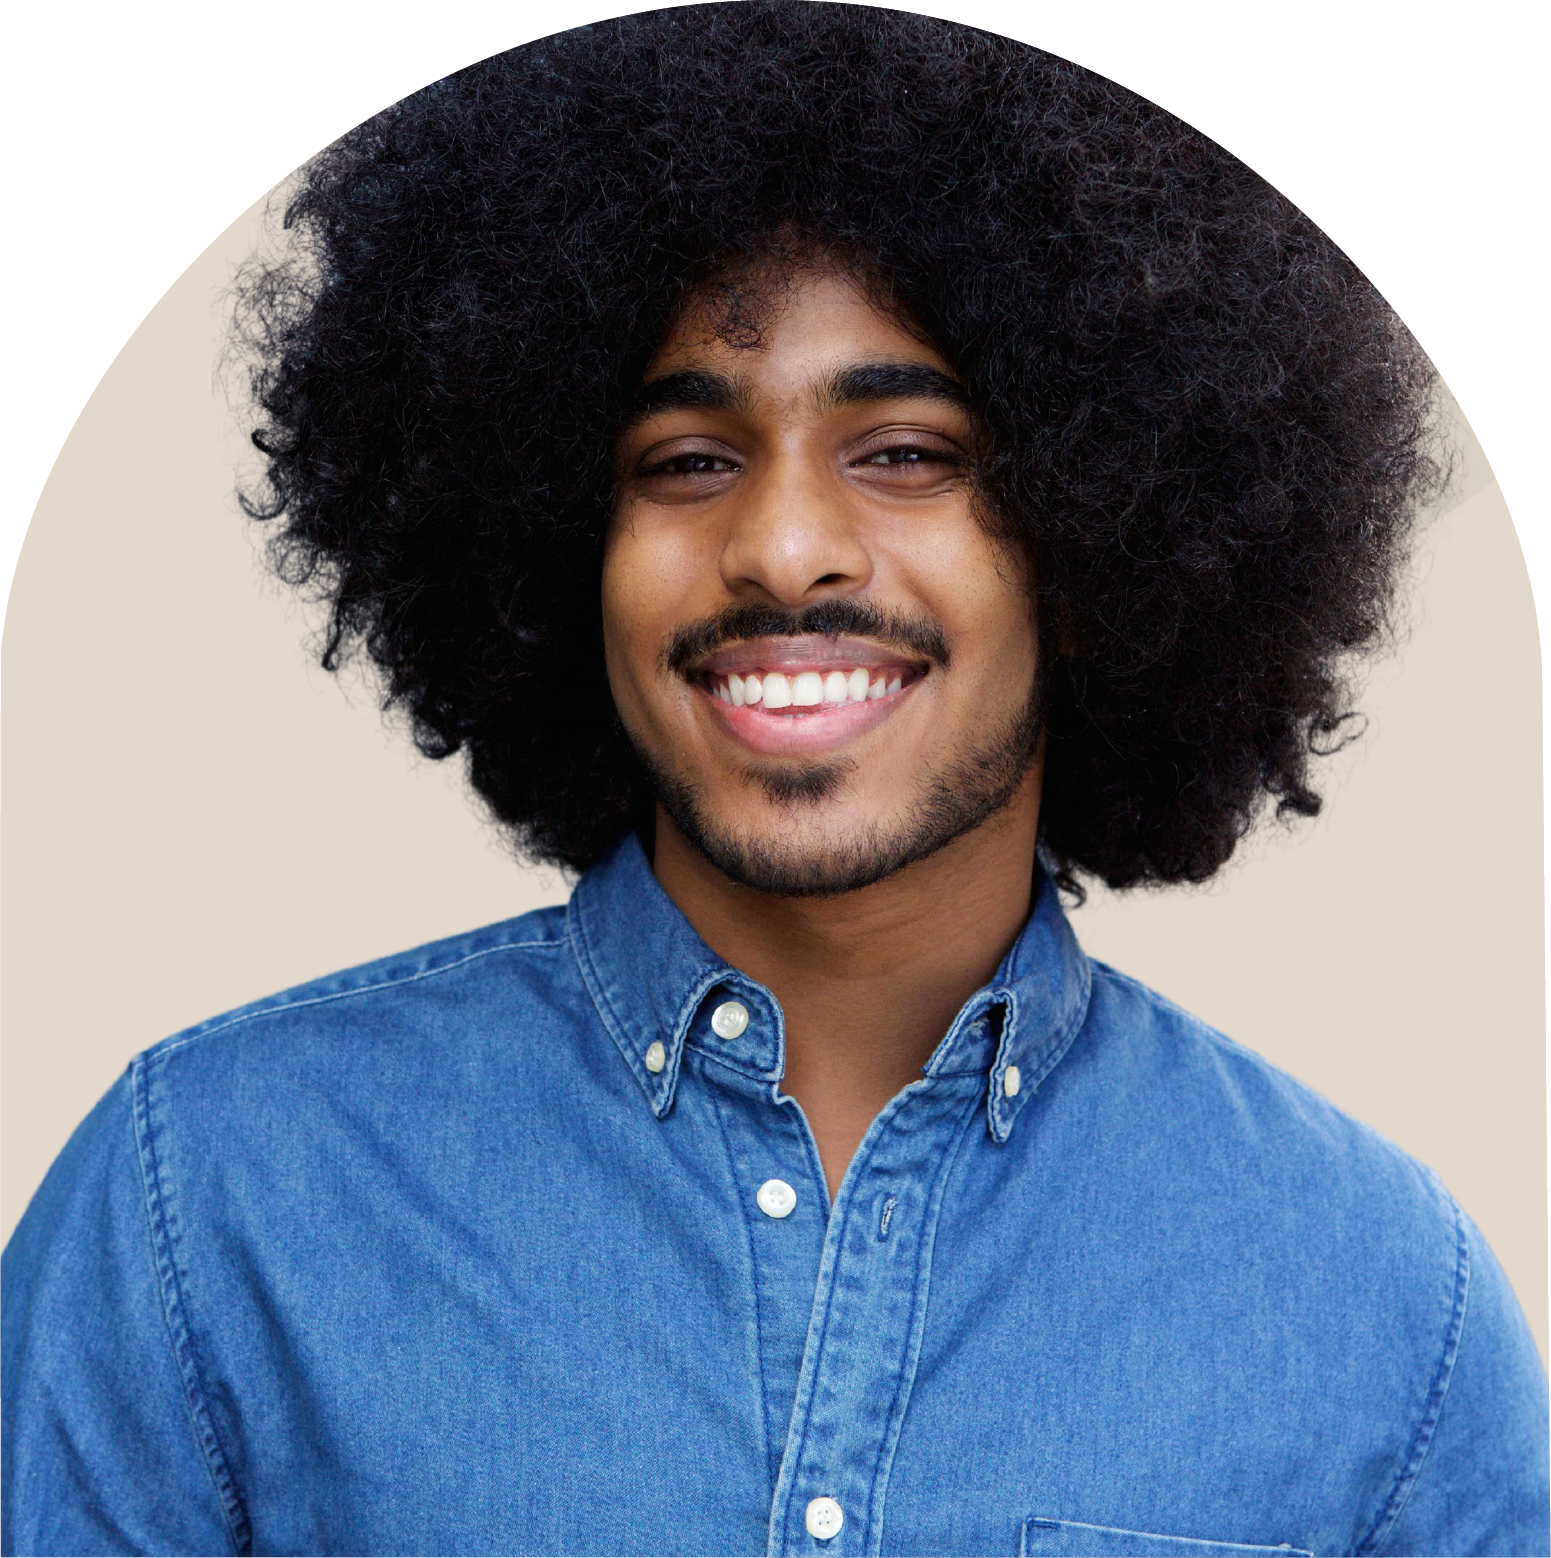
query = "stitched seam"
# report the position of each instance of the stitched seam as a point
(819, 1344)
(619, 1030)
(759, 1330)
(1217, 1040)
(715, 1058)
(1160, 1536)
(1047, 1059)
(1000, 1112)
(805, 1406)
(1421, 1442)
(576, 933)
(238, 1526)
(171, 1046)
(914, 1330)
(1067, 1033)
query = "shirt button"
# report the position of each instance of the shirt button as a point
(776, 1198)
(729, 1020)
(1011, 1081)
(825, 1518)
(656, 1056)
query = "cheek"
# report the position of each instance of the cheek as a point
(646, 593)
(624, 607)
(980, 592)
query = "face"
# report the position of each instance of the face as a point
(824, 658)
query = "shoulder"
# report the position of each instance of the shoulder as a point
(307, 1097)
(1198, 1084)
(347, 1052)
(445, 985)
(1316, 1262)
(1238, 1170)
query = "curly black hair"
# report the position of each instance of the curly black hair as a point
(1206, 426)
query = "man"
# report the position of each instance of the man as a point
(841, 478)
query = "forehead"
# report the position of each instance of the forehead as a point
(783, 333)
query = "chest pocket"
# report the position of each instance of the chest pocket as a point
(1072, 1539)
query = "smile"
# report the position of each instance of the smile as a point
(803, 695)
(799, 693)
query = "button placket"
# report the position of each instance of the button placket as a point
(765, 1145)
(868, 1313)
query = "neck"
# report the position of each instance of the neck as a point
(868, 981)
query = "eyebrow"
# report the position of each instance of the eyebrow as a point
(693, 389)
(688, 390)
(892, 381)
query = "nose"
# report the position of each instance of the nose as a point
(792, 537)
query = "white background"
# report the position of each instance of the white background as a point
(1411, 133)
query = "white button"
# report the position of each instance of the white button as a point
(656, 1056)
(776, 1199)
(825, 1518)
(729, 1019)
(1011, 1081)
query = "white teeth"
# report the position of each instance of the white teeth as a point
(807, 689)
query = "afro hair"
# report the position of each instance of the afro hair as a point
(1206, 427)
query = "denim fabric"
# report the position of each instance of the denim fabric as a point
(426, 1257)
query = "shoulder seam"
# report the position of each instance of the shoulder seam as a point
(1226, 1045)
(170, 1046)
(1199, 1025)
(238, 1526)
(592, 982)
(1422, 1439)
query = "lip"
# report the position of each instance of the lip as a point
(811, 652)
(821, 730)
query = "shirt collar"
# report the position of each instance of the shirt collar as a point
(655, 982)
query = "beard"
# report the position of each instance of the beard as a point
(951, 802)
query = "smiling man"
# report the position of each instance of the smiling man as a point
(841, 479)
(827, 662)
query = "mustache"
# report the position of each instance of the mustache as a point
(838, 618)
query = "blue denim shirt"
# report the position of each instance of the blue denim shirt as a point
(445, 1255)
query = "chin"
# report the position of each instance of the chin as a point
(794, 850)
(799, 868)
(803, 845)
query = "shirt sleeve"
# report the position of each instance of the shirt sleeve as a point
(103, 1443)
(1483, 1485)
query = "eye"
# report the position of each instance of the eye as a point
(691, 463)
(910, 458)
(906, 454)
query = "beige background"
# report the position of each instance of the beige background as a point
(195, 816)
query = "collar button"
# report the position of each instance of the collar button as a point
(729, 1020)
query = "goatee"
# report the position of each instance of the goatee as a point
(977, 785)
